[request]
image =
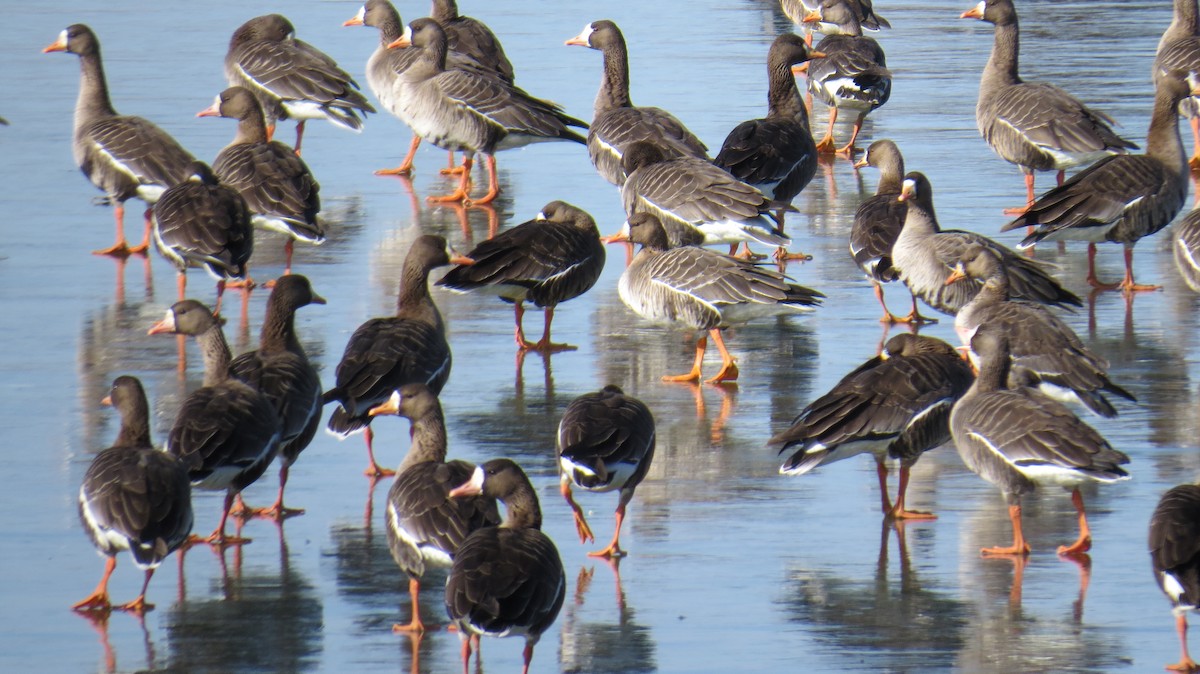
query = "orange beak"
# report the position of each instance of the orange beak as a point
(390, 406)
(975, 12)
(211, 111)
(906, 193)
(401, 42)
(817, 54)
(107, 400)
(59, 45)
(578, 40)
(619, 237)
(800, 68)
(861, 163)
(353, 21)
(462, 260)
(163, 326)
(957, 275)
(812, 17)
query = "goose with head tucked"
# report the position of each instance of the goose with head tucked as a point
(473, 39)
(797, 10)
(1179, 49)
(1175, 557)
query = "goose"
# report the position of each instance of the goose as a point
(425, 526)
(386, 353)
(1179, 49)
(701, 289)
(124, 156)
(1175, 558)
(468, 112)
(506, 580)
(473, 39)
(605, 442)
(797, 10)
(291, 78)
(551, 259)
(616, 121)
(282, 194)
(280, 369)
(1185, 244)
(225, 432)
(896, 405)
(1044, 349)
(1035, 125)
(924, 254)
(1019, 438)
(1121, 198)
(134, 497)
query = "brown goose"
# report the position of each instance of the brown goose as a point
(1186, 247)
(279, 369)
(124, 156)
(1045, 351)
(1175, 558)
(551, 259)
(226, 432)
(506, 580)
(776, 154)
(1019, 438)
(797, 10)
(202, 223)
(278, 187)
(616, 121)
(291, 78)
(1179, 49)
(1035, 125)
(925, 254)
(605, 442)
(473, 39)
(1124, 197)
(877, 222)
(701, 289)
(896, 404)
(134, 497)
(384, 354)
(425, 526)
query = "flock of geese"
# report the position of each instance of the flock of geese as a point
(447, 77)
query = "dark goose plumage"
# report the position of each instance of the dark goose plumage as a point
(616, 121)
(925, 254)
(1124, 197)
(1185, 244)
(553, 258)
(798, 10)
(896, 404)
(473, 39)
(202, 223)
(1018, 438)
(605, 442)
(291, 78)
(1179, 49)
(134, 497)
(226, 432)
(124, 156)
(384, 354)
(1035, 125)
(1175, 558)
(280, 369)
(506, 580)
(280, 191)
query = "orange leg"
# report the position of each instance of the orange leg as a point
(881, 470)
(1127, 284)
(148, 227)
(694, 375)
(1186, 663)
(493, 185)
(374, 469)
(900, 512)
(528, 655)
(1019, 546)
(1029, 197)
(120, 247)
(914, 316)
(451, 168)
(544, 345)
(1091, 275)
(299, 136)
(1194, 162)
(415, 624)
(98, 599)
(139, 606)
(614, 551)
(826, 145)
(270, 132)
(277, 511)
(581, 525)
(218, 537)
(464, 186)
(1084, 542)
(848, 149)
(729, 369)
(405, 167)
(888, 317)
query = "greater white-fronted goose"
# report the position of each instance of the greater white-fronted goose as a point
(473, 39)
(605, 443)
(134, 497)
(776, 154)
(1046, 353)
(797, 10)
(1175, 558)
(425, 526)
(1179, 49)
(616, 121)
(291, 78)
(852, 75)
(697, 202)
(124, 156)
(506, 580)
(1124, 197)
(1019, 438)
(1035, 125)
(553, 258)
(701, 289)
(877, 222)
(896, 405)
(386, 353)
(464, 111)
(281, 192)
(202, 223)
(280, 369)
(1185, 244)
(925, 254)
(226, 432)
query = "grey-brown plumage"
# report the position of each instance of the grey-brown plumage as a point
(472, 38)
(924, 254)
(605, 442)
(1045, 351)
(551, 259)
(1175, 557)
(1185, 245)
(291, 78)
(124, 156)
(1179, 49)
(134, 497)
(506, 580)
(616, 121)
(798, 10)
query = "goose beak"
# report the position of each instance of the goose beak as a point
(472, 487)
(800, 68)
(907, 191)
(213, 110)
(402, 42)
(317, 299)
(357, 19)
(975, 12)
(167, 324)
(462, 260)
(620, 237)
(817, 55)
(957, 275)
(389, 406)
(576, 41)
(59, 45)
(861, 163)
(812, 17)
(107, 400)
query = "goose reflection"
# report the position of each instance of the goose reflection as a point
(600, 645)
(99, 622)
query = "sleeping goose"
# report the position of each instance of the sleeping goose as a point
(124, 156)
(797, 10)
(1179, 49)
(1175, 558)
(1035, 125)
(473, 39)
(616, 121)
